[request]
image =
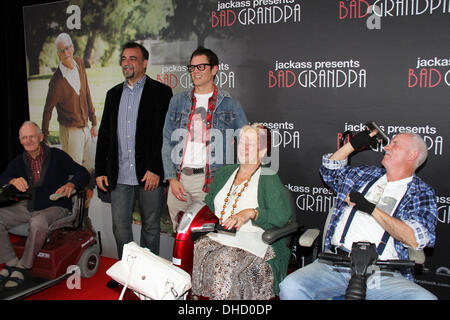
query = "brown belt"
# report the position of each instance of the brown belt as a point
(190, 171)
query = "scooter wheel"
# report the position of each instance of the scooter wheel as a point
(89, 262)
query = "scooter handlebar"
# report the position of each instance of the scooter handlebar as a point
(9, 192)
(57, 196)
(333, 257)
(342, 260)
(396, 263)
(220, 227)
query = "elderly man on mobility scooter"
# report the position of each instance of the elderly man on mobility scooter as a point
(40, 171)
(389, 206)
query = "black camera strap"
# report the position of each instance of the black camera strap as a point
(386, 235)
(385, 238)
(352, 213)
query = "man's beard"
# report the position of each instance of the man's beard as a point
(129, 74)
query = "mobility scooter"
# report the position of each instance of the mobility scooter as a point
(198, 219)
(71, 242)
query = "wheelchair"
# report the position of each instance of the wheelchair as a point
(71, 242)
(361, 260)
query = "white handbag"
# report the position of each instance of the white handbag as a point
(147, 274)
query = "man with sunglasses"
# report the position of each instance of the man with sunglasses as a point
(194, 147)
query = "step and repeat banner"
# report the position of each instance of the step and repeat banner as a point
(308, 69)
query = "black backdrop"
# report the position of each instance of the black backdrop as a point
(13, 81)
(311, 77)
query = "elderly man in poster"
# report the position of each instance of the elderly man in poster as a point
(69, 93)
(395, 210)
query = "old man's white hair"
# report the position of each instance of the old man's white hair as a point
(63, 37)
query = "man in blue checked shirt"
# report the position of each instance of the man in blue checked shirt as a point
(390, 207)
(128, 159)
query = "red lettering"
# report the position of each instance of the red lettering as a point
(282, 79)
(412, 76)
(356, 9)
(359, 9)
(230, 13)
(226, 18)
(292, 77)
(272, 79)
(423, 74)
(169, 79)
(339, 142)
(214, 19)
(352, 9)
(341, 7)
(428, 78)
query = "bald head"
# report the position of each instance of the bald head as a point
(31, 125)
(30, 137)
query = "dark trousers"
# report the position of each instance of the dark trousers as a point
(123, 199)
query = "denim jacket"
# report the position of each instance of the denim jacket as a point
(228, 117)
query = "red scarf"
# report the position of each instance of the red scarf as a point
(211, 107)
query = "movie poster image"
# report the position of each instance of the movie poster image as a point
(308, 70)
(73, 59)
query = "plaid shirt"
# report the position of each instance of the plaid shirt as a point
(418, 207)
(36, 164)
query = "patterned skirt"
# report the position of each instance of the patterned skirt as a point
(225, 273)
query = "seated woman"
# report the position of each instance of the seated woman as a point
(252, 199)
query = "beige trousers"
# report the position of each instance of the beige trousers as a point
(193, 186)
(39, 221)
(77, 143)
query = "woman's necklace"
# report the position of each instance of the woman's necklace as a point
(229, 193)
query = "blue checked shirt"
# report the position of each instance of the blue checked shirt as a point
(418, 207)
(126, 131)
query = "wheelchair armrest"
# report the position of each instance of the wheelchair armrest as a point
(308, 238)
(270, 236)
(418, 256)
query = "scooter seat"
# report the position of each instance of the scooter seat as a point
(67, 221)
(23, 228)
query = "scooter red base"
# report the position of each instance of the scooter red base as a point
(64, 248)
(197, 218)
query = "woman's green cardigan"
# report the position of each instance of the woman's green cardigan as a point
(274, 212)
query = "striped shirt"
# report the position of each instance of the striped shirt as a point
(126, 131)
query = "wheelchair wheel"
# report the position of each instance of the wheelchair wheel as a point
(89, 262)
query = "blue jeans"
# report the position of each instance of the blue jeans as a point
(320, 281)
(123, 199)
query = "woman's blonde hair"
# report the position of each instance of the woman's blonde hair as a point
(261, 131)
